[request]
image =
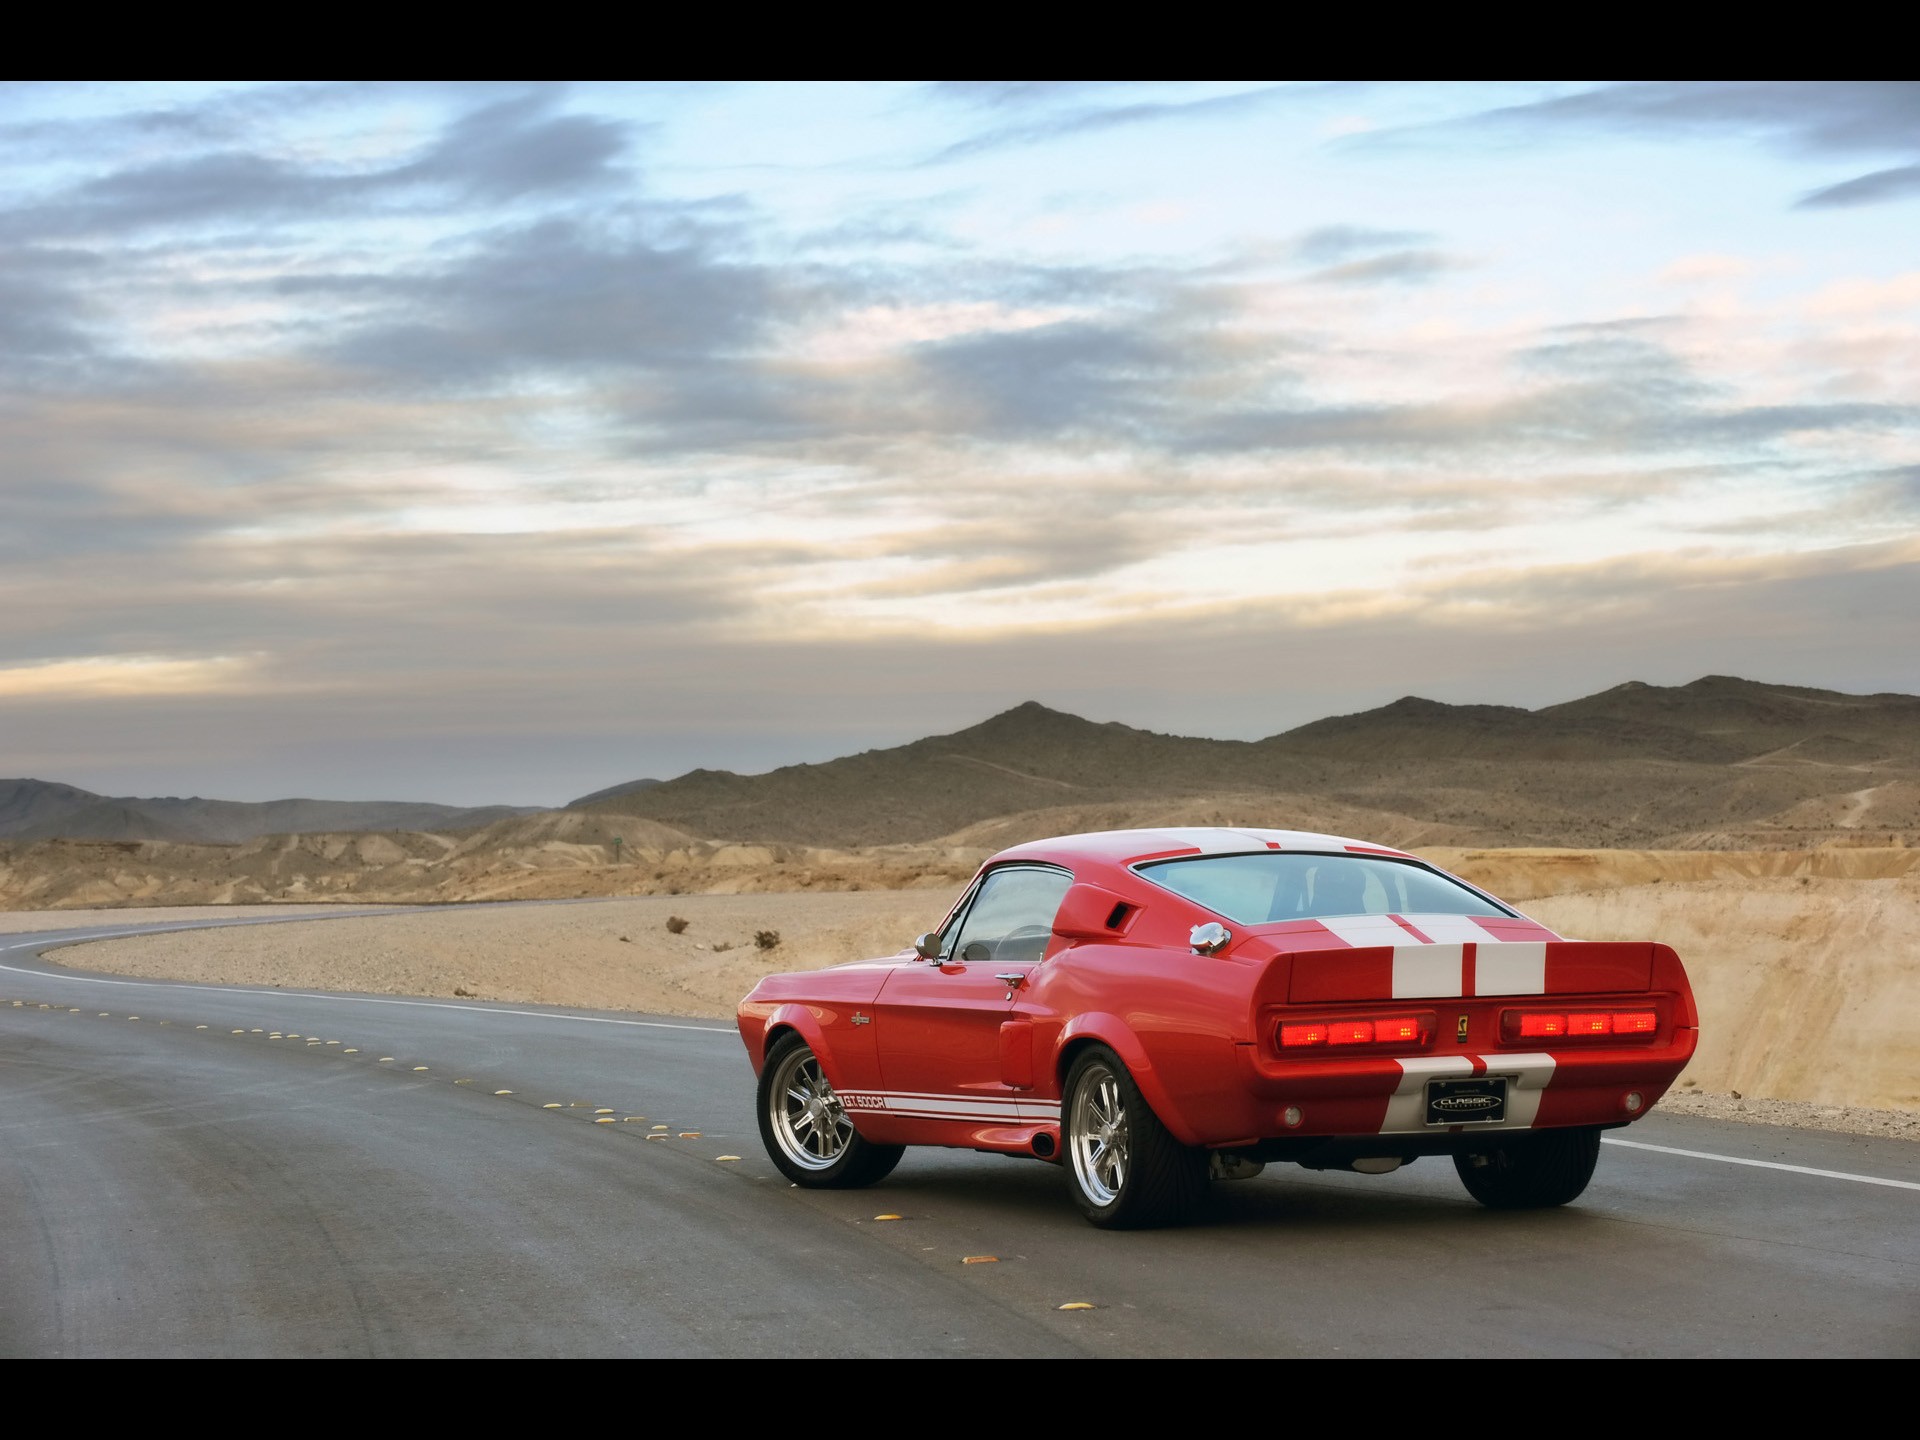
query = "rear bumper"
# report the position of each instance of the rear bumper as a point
(1387, 1096)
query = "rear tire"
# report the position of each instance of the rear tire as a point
(1532, 1171)
(1126, 1170)
(805, 1128)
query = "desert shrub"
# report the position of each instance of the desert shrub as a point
(766, 939)
(675, 924)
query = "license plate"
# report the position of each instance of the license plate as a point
(1464, 1102)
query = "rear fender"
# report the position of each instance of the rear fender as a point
(1113, 1032)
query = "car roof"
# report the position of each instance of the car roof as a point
(1127, 847)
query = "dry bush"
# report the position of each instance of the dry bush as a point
(766, 939)
(675, 924)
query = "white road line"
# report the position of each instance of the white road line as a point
(188, 985)
(1763, 1164)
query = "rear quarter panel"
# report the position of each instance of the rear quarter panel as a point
(1176, 1019)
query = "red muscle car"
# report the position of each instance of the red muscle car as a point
(1152, 1009)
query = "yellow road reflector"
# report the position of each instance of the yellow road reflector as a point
(75, 1011)
(723, 1159)
(551, 1105)
(239, 1032)
(49, 1007)
(605, 1120)
(130, 1017)
(333, 1042)
(629, 1119)
(1076, 1305)
(886, 1217)
(199, 1027)
(419, 1068)
(659, 1127)
(385, 1058)
(349, 1052)
(604, 1110)
(292, 1036)
(503, 1092)
(979, 1259)
(103, 1015)
(659, 1137)
(276, 1036)
(689, 1134)
(256, 1031)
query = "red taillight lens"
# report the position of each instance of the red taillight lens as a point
(1356, 1030)
(1549, 1024)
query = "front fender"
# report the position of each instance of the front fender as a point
(810, 1022)
(1118, 1036)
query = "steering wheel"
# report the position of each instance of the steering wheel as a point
(1013, 946)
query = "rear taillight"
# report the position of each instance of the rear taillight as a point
(1578, 1024)
(1400, 1030)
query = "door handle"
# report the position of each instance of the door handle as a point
(1012, 979)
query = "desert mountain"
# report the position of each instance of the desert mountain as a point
(1719, 762)
(612, 792)
(42, 810)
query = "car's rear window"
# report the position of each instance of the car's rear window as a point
(1275, 885)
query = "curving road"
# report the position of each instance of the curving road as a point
(204, 1170)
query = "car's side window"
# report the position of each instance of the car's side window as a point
(1011, 917)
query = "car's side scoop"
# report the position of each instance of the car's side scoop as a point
(1089, 912)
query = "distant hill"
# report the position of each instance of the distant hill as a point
(612, 792)
(1721, 761)
(46, 810)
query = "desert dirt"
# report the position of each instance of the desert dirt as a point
(1804, 964)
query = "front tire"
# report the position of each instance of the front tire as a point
(805, 1128)
(1533, 1171)
(1126, 1170)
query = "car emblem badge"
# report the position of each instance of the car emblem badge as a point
(860, 1019)
(1460, 1030)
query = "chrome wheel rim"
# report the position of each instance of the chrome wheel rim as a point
(808, 1120)
(1098, 1125)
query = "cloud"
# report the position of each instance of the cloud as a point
(1896, 183)
(1085, 119)
(502, 151)
(1823, 118)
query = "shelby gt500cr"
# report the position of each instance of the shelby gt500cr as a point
(1152, 1009)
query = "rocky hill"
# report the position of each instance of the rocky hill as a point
(44, 810)
(1721, 762)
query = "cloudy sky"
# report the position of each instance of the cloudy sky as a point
(497, 443)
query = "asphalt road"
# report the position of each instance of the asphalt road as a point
(198, 1170)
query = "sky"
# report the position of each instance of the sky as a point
(496, 443)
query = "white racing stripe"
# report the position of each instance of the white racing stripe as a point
(1763, 1164)
(1510, 967)
(1527, 1077)
(921, 1105)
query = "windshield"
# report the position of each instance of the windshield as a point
(1275, 885)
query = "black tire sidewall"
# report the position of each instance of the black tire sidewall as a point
(861, 1163)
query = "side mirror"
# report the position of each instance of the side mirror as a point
(927, 947)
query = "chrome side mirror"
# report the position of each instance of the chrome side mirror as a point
(927, 947)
